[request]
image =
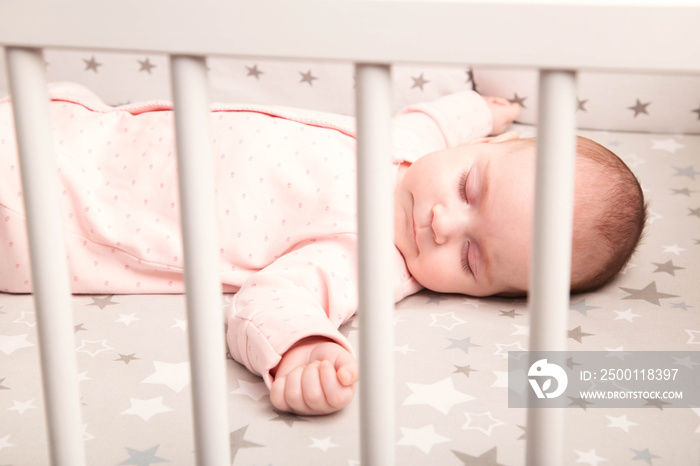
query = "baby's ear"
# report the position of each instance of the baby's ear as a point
(509, 136)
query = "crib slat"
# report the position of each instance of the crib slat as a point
(51, 285)
(551, 252)
(376, 266)
(203, 286)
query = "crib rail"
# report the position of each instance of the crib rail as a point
(368, 32)
(656, 32)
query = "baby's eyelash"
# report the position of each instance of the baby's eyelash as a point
(465, 261)
(463, 186)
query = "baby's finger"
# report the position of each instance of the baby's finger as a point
(336, 394)
(293, 391)
(314, 398)
(277, 394)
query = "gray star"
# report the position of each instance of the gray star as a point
(470, 78)
(581, 307)
(102, 302)
(436, 298)
(577, 334)
(419, 82)
(643, 455)
(582, 104)
(146, 65)
(307, 78)
(2, 387)
(488, 458)
(254, 71)
(656, 402)
(463, 344)
(518, 100)
(681, 305)
(143, 458)
(648, 294)
(79, 328)
(237, 441)
(288, 418)
(640, 108)
(695, 212)
(512, 314)
(466, 370)
(524, 436)
(697, 110)
(127, 358)
(570, 363)
(580, 402)
(91, 64)
(684, 191)
(667, 267)
(688, 171)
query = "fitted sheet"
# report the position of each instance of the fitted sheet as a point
(450, 352)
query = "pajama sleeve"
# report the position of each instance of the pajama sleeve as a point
(308, 292)
(446, 122)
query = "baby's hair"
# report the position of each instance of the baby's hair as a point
(609, 214)
(616, 213)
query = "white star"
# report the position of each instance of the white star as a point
(127, 318)
(501, 379)
(5, 442)
(440, 395)
(11, 343)
(669, 145)
(255, 390)
(694, 337)
(86, 434)
(175, 376)
(472, 301)
(628, 266)
(322, 444)
(21, 407)
(146, 409)
(621, 422)
(589, 457)
(447, 320)
(403, 349)
(181, 324)
(627, 315)
(423, 438)
(83, 376)
(653, 216)
(521, 329)
(633, 161)
(93, 347)
(487, 421)
(503, 348)
(686, 361)
(26, 318)
(697, 411)
(674, 249)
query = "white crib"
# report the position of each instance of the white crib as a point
(560, 37)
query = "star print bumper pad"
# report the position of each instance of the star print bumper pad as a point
(451, 362)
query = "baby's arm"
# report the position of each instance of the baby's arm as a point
(316, 376)
(503, 112)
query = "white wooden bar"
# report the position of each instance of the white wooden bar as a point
(202, 283)
(551, 250)
(50, 278)
(376, 266)
(371, 31)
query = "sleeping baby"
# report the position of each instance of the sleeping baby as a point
(286, 205)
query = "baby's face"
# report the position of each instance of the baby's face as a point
(463, 219)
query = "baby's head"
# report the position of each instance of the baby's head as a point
(463, 218)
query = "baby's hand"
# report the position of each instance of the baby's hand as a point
(316, 376)
(504, 113)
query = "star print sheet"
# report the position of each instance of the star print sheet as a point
(450, 351)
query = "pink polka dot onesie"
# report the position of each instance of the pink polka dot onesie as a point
(286, 203)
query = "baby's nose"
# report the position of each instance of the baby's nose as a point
(444, 224)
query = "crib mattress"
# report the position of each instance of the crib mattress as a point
(450, 351)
